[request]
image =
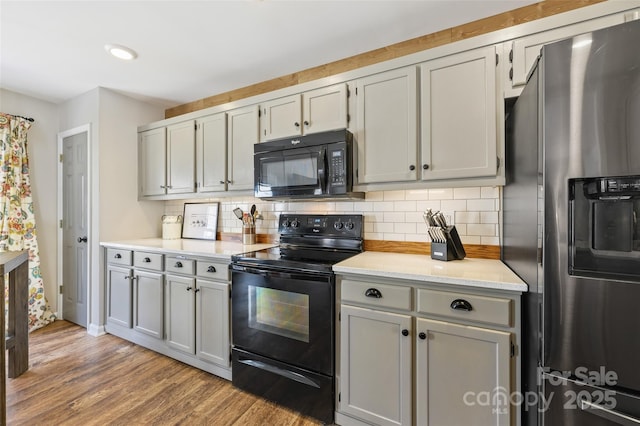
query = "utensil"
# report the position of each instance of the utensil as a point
(238, 212)
(253, 210)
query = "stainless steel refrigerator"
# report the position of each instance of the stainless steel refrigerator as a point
(571, 229)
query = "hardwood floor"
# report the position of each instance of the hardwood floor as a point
(77, 379)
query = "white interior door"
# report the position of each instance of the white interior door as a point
(75, 229)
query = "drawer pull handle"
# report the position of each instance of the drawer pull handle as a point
(118, 256)
(146, 260)
(405, 332)
(373, 292)
(461, 305)
(211, 269)
(422, 335)
(178, 265)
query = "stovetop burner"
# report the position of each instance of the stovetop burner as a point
(310, 243)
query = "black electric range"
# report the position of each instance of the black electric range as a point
(283, 312)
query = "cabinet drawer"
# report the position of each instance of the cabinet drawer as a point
(492, 310)
(152, 261)
(180, 265)
(119, 257)
(383, 295)
(215, 270)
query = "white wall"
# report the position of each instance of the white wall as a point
(42, 151)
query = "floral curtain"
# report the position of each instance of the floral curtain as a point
(17, 220)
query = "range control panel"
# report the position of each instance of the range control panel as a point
(325, 225)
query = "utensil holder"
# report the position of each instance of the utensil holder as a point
(248, 234)
(451, 248)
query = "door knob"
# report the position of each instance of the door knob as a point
(82, 239)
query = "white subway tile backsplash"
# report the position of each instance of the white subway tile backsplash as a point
(388, 215)
(466, 193)
(441, 194)
(393, 195)
(486, 205)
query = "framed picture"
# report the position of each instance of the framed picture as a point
(200, 221)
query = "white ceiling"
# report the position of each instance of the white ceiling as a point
(189, 50)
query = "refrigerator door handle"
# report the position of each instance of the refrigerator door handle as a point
(606, 413)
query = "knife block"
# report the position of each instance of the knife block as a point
(451, 249)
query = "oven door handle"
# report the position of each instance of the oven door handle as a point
(306, 275)
(263, 272)
(291, 375)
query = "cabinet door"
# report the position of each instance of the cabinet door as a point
(375, 366)
(462, 374)
(148, 306)
(324, 109)
(180, 313)
(119, 296)
(181, 157)
(211, 153)
(525, 50)
(281, 118)
(153, 162)
(212, 322)
(242, 135)
(387, 126)
(459, 115)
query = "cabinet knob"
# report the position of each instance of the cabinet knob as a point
(412, 167)
(118, 256)
(425, 167)
(461, 305)
(196, 290)
(296, 124)
(146, 260)
(188, 288)
(373, 292)
(306, 123)
(211, 269)
(422, 335)
(405, 332)
(221, 182)
(178, 265)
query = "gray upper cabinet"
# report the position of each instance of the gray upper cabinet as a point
(152, 162)
(301, 114)
(459, 115)
(181, 154)
(387, 126)
(242, 134)
(167, 160)
(211, 153)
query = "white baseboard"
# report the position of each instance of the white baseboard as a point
(96, 330)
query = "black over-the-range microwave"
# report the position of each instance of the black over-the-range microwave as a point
(319, 165)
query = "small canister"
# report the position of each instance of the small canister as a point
(248, 233)
(171, 227)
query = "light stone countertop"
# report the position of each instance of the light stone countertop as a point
(186, 247)
(480, 273)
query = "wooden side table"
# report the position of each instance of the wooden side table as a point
(16, 341)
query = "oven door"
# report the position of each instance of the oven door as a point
(290, 172)
(287, 316)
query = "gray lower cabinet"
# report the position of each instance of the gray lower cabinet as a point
(171, 304)
(412, 353)
(148, 300)
(197, 318)
(375, 365)
(119, 287)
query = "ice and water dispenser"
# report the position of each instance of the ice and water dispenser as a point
(604, 238)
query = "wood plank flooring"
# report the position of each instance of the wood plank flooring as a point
(77, 379)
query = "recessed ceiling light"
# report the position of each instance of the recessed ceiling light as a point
(121, 52)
